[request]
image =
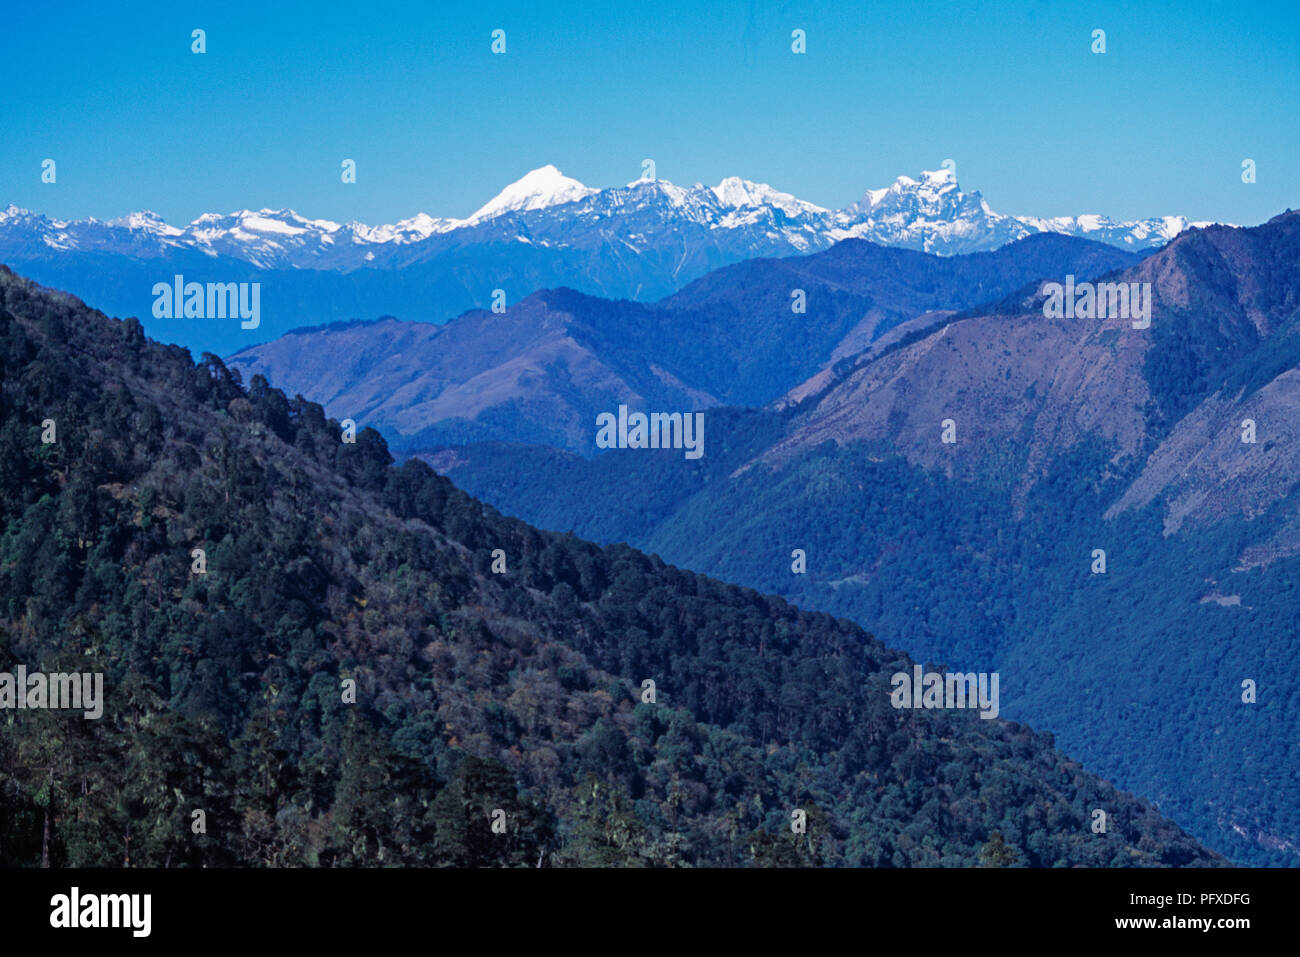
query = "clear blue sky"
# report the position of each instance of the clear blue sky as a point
(1159, 124)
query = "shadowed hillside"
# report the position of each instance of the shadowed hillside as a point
(517, 690)
(1173, 449)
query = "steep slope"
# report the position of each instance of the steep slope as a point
(1072, 435)
(1026, 390)
(541, 371)
(510, 693)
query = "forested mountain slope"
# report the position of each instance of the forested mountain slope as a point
(1173, 449)
(475, 691)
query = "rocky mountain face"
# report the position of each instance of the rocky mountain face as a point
(642, 241)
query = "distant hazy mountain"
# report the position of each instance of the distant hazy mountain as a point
(642, 241)
(1174, 450)
(545, 368)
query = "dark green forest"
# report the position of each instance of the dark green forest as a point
(1139, 670)
(956, 572)
(475, 691)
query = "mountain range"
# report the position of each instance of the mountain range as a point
(1117, 521)
(343, 663)
(642, 241)
(545, 368)
(1173, 450)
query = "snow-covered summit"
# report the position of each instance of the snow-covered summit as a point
(146, 220)
(738, 217)
(737, 192)
(537, 189)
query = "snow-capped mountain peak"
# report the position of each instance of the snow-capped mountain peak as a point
(146, 220)
(736, 192)
(935, 192)
(941, 176)
(537, 189)
(12, 212)
(644, 191)
(263, 221)
(414, 229)
(688, 227)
